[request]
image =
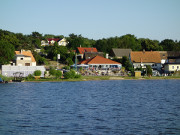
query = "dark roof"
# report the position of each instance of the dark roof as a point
(89, 55)
(169, 54)
(116, 52)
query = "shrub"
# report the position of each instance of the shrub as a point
(66, 67)
(52, 71)
(29, 77)
(37, 73)
(67, 75)
(5, 78)
(58, 74)
(73, 73)
(70, 74)
(77, 76)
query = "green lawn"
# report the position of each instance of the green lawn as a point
(89, 78)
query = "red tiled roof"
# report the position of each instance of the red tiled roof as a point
(98, 60)
(55, 39)
(145, 56)
(26, 53)
(82, 50)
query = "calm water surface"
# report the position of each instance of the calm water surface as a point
(119, 107)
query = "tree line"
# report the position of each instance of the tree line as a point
(17, 41)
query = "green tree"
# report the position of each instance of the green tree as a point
(127, 64)
(168, 45)
(69, 61)
(6, 52)
(52, 71)
(129, 41)
(149, 45)
(102, 45)
(149, 70)
(36, 35)
(75, 41)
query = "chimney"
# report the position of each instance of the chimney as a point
(21, 51)
(80, 46)
(107, 55)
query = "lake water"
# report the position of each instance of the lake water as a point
(119, 107)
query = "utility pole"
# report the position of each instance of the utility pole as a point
(58, 58)
(76, 62)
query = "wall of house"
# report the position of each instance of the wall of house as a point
(25, 70)
(177, 60)
(143, 65)
(44, 43)
(172, 67)
(62, 42)
(33, 63)
(105, 66)
(21, 61)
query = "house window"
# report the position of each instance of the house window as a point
(172, 67)
(21, 58)
(177, 67)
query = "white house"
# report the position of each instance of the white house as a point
(51, 41)
(171, 67)
(24, 58)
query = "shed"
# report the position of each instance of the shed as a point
(137, 73)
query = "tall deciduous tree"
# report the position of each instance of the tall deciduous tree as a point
(169, 45)
(6, 52)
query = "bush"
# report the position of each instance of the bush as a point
(73, 73)
(37, 73)
(66, 67)
(29, 77)
(52, 71)
(67, 75)
(58, 74)
(70, 74)
(5, 78)
(77, 76)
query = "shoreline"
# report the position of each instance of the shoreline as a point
(99, 78)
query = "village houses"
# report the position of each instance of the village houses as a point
(51, 41)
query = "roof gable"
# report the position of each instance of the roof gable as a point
(99, 60)
(55, 39)
(82, 50)
(26, 53)
(145, 57)
(121, 52)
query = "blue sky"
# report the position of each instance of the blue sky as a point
(94, 19)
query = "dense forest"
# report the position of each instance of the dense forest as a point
(16, 41)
